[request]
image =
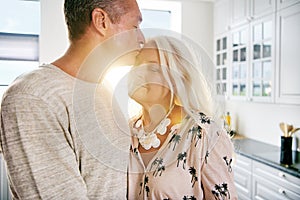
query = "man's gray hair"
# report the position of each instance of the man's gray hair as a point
(78, 13)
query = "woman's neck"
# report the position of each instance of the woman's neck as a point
(153, 115)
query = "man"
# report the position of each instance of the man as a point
(60, 134)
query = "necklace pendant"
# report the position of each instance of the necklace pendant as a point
(149, 141)
(162, 128)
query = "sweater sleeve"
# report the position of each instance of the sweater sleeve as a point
(40, 159)
(217, 174)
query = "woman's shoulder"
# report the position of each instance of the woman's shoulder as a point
(212, 130)
(205, 122)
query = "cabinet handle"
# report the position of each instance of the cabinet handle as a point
(281, 191)
(250, 18)
(280, 174)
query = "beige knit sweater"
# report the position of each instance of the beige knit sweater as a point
(62, 138)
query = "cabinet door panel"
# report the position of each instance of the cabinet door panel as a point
(286, 3)
(243, 177)
(262, 59)
(262, 7)
(243, 162)
(242, 181)
(269, 178)
(221, 16)
(266, 189)
(288, 58)
(240, 11)
(240, 56)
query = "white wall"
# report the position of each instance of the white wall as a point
(54, 37)
(260, 121)
(197, 23)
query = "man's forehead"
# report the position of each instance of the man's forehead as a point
(139, 15)
(134, 8)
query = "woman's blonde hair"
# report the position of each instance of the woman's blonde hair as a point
(189, 74)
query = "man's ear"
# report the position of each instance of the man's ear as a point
(100, 21)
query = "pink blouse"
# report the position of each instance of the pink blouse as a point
(194, 162)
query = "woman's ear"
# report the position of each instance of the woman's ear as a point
(100, 20)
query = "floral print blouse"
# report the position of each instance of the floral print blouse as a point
(193, 163)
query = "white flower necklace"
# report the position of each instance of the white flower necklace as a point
(148, 140)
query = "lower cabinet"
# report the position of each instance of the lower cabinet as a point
(255, 180)
(271, 183)
(243, 177)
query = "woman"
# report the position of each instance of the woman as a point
(177, 151)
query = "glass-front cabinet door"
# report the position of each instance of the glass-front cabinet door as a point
(221, 57)
(239, 63)
(261, 62)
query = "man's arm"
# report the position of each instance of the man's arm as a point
(40, 159)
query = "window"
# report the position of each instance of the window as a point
(161, 15)
(19, 39)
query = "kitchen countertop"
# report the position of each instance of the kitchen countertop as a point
(267, 154)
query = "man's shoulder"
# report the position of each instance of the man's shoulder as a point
(38, 82)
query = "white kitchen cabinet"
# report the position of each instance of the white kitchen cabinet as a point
(270, 183)
(244, 11)
(239, 62)
(222, 18)
(243, 177)
(261, 8)
(288, 55)
(262, 64)
(253, 65)
(281, 4)
(255, 180)
(268, 189)
(266, 69)
(240, 11)
(221, 63)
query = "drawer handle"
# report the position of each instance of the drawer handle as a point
(280, 174)
(281, 191)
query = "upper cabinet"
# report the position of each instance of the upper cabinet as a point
(261, 8)
(221, 64)
(222, 16)
(244, 11)
(288, 55)
(262, 63)
(285, 3)
(240, 11)
(262, 56)
(239, 62)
